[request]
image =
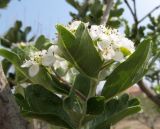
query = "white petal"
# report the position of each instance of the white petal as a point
(108, 53)
(54, 49)
(64, 65)
(74, 25)
(56, 64)
(43, 52)
(118, 56)
(27, 63)
(48, 60)
(33, 70)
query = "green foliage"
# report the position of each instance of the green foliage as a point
(93, 12)
(4, 3)
(115, 110)
(95, 105)
(82, 84)
(42, 43)
(16, 35)
(43, 104)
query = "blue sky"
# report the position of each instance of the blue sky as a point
(43, 15)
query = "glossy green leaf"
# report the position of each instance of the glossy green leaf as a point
(95, 105)
(42, 43)
(73, 107)
(45, 105)
(116, 12)
(81, 53)
(82, 84)
(115, 110)
(128, 72)
(6, 65)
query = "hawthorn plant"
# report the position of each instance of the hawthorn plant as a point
(57, 81)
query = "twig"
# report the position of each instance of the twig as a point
(69, 86)
(135, 10)
(129, 7)
(154, 9)
(106, 12)
(149, 93)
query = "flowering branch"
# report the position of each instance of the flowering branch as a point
(106, 12)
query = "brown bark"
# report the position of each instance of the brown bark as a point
(149, 93)
(10, 117)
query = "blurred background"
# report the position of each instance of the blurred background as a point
(42, 15)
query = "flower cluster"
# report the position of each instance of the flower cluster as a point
(49, 58)
(109, 42)
(44, 57)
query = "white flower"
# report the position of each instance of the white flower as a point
(33, 70)
(109, 42)
(96, 31)
(48, 60)
(61, 64)
(33, 67)
(44, 57)
(73, 25)
(118, 56)
(54, 49)
(27, 63)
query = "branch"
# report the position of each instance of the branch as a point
(129, 7)
(135, 11)
(149, 93)
(106, 12)
(69, 86)
(154, 9)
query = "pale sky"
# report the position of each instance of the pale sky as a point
(43, 15)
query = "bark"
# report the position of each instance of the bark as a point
(10, 117)
(149, 93)
(106, 12)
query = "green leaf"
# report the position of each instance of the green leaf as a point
(4, 3)
(81, 53)
(114, 23)
(116, 12)
(95, 105)
(73, 107)
(46, 106)
(74, 3)
(42, 43)
(6, 65)
(82, 84)
(128, 72)
(115, 110)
